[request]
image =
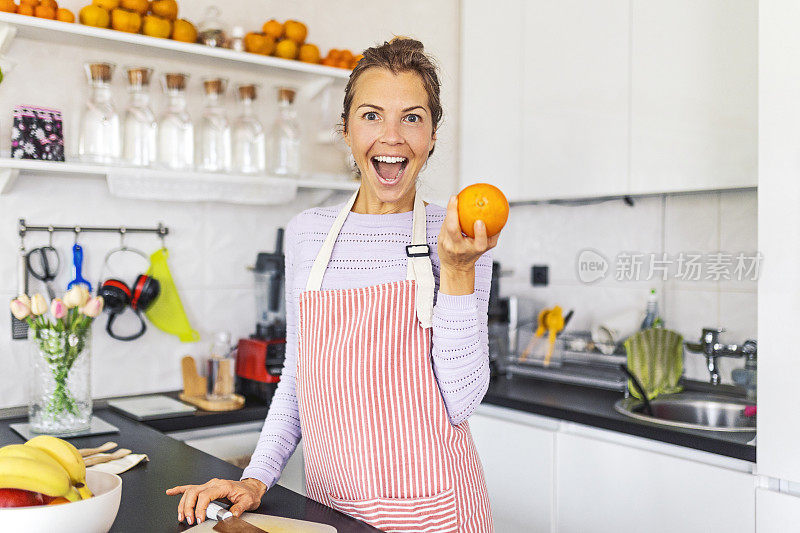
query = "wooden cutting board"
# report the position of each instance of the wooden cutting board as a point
(271, 524)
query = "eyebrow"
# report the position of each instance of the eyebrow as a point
(379, 108)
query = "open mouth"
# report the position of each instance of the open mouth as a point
(389, 168)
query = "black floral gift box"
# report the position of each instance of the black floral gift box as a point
(37, 134)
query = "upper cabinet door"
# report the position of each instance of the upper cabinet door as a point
(575, 101)
(694, 100)
(491, 94)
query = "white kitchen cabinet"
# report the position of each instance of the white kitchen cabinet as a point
(518, 463)
(779, 239)
(694, 95)
(776, 512)
(606, 486)
(491, 144)
(575, 98)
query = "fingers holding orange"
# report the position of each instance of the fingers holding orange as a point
(483, 202)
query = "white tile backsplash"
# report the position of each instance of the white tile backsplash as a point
(699, 223)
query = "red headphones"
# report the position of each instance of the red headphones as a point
(118, 297)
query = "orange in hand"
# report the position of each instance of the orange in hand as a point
(485, 202)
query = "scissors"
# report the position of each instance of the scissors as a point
(44, 263)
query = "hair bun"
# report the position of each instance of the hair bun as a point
(408, 42)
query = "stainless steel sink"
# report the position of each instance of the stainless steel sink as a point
(693, 411)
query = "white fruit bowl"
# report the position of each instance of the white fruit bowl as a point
(95, 515)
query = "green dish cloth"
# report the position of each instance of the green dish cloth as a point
(655, 357)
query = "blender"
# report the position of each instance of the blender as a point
(259, 358)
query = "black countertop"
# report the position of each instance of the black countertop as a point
(574, 403)
(595, 407)
(144, 505)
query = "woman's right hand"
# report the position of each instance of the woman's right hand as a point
(245, 495)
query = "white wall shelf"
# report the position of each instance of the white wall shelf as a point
(56, 32)
(180, 186)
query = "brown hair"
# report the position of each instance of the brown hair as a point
(401, 54)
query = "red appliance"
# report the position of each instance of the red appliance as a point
(259, 358)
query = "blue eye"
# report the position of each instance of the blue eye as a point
(371, 115)
(415, 117)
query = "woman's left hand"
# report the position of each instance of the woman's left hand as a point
(458, 253)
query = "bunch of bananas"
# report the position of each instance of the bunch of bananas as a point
(47, 465)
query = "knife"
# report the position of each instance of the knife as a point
(227, 523)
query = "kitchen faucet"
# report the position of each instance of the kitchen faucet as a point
(710, 346)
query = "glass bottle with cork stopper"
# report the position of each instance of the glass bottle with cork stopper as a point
(139, 125)
(175, 128)
(283, 153)
(99, 138)
(214, 131)
(249, 139)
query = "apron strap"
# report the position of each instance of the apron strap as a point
(419, 266)
(324, 256)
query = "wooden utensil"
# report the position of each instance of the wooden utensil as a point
(107, 447)
(106, 457)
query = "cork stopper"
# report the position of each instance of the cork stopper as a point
(100, 72)
(139, 76)
(215, 86)
(286, 94)
(247, 91)
(175, 81)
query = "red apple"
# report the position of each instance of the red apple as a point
(20, 498)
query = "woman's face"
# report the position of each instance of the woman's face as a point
(390, 133)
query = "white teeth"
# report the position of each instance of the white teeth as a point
(389, 159)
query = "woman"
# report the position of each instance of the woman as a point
(378, 379)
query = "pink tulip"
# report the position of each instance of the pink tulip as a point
(93, 307)
(58, 308)
(24, 299)
(20, 309)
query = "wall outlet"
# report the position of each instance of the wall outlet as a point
(540, 275)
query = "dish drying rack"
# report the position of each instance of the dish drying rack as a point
(575, 360)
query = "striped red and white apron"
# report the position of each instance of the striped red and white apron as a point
(377, 440)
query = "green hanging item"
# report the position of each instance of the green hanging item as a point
(655, 357)
(167, 313)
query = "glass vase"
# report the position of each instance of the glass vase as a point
(60, 399)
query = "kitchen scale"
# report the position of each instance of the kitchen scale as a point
(153, 407)
(97, 426)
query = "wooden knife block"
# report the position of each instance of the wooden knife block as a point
(195, 386)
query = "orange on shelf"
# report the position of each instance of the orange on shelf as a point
(127, 21)
(25, 9)
(273, 28)
(65, 15)
(167, 9)
(156, 26)
(328, 62)
(8, 6)
(44, 12)
(309, 53)
(482, 201)
(93, 15)
(32, 3)
(295, 31)
(334, 54)
(108, 5)
(184, 31)
(286, 49)
(49, 3)
(346, 55)
(140, 6)
(259, 43)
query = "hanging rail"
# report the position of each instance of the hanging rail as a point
(161, 230)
